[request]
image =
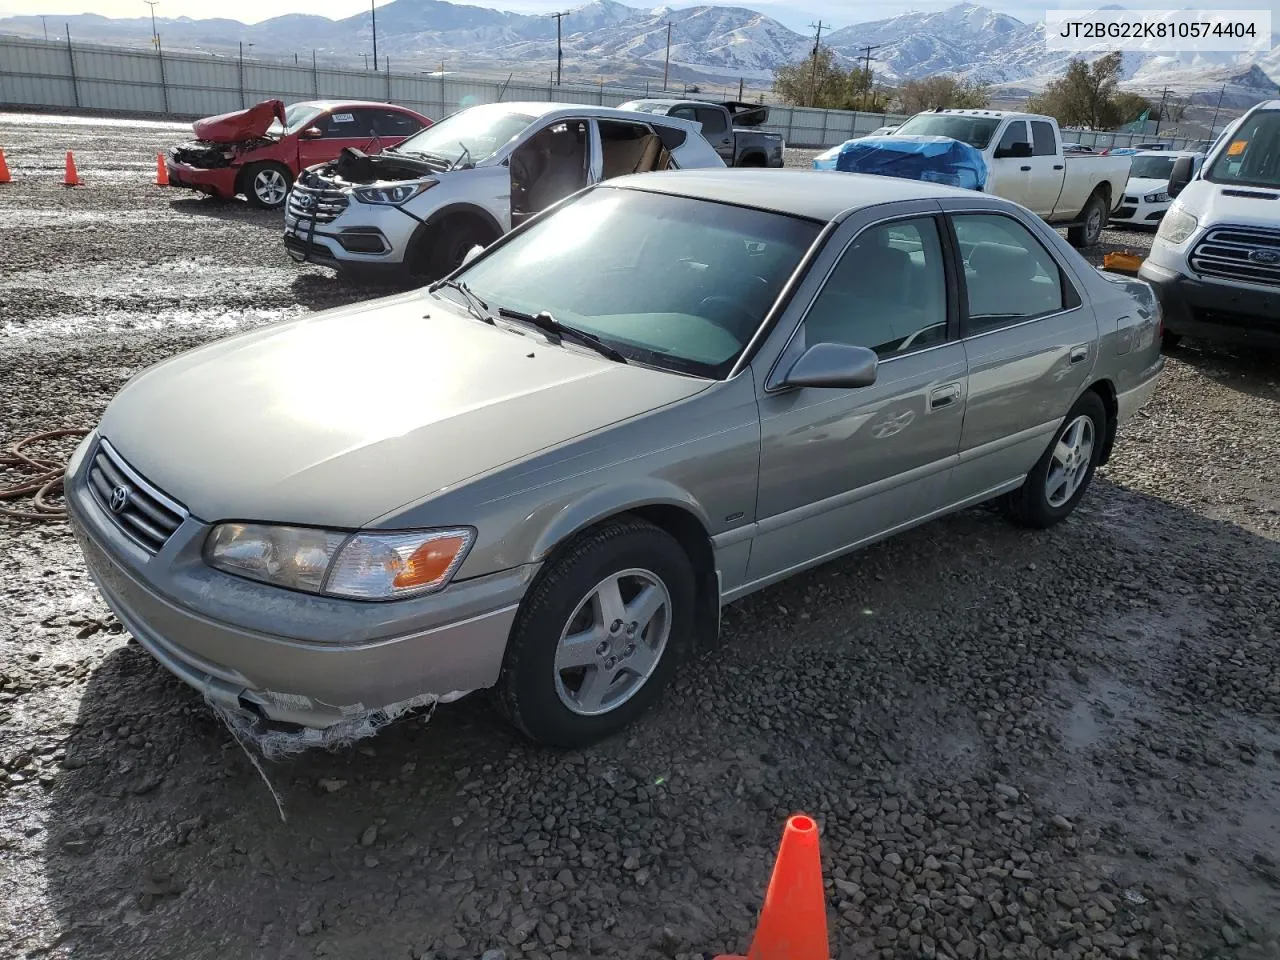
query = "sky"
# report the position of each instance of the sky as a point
(796, 14)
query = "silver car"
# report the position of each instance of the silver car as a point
(547, 473)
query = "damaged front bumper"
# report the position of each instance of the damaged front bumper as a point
(266, 656)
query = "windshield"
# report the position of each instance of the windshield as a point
(975, 131)
(469, 135)
(1252, 156)
(296, 117)
(667, 281)
(1152, 168)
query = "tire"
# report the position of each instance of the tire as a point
(266, 185)
(1094, 217)
(1170, 340)
(1034, 504)
(544, 690)
(440, 249)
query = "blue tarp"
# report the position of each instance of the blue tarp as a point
(935, 159)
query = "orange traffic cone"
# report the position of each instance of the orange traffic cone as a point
(72, 179)
(4, 170)
(162, 172)
(793, 920)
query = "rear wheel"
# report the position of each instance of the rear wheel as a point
(1058, 481)
(598, 635)
(266, 185)
(1094, 219)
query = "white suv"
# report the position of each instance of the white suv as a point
(417, 209)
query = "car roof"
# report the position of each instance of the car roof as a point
(542, 109)
(335, 104)
(1169, 153)
(812, 194)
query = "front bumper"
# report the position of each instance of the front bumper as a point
(1227, 313)
(361, 236)
(220, 182)
(1140, 213)
(285, 656)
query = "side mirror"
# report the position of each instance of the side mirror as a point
(833, 365)
(1181, 176)
(312, 133)
(1018, 151)
(472, 254)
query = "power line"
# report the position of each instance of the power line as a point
(813, 77)
(559, 50)
(866, 55)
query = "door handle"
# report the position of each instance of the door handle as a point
(1079, 354)
(1025, 169)
(944, 396)
(1058, 166)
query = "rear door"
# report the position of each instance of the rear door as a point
(393, 126)
(841, 466)
(1047, 169)
(340, 127)
(1029, 340)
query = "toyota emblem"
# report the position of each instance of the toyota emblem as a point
(1265, 256)
(120, 498)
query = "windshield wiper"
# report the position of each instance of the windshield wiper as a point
(557, 331)
(466, 152)
(475, 306)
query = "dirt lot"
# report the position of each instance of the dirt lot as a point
(1048, 746)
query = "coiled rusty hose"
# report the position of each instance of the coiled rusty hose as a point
(44, 477)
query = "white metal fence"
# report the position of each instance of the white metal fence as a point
(62, 74)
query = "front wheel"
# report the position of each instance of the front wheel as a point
(1058, 481)
(267, 184)
(444, 245)
(1094, 217)
(599, 635)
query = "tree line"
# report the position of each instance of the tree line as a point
(1087, 95)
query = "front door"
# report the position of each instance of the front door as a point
(1030, 344)
(1010, 177)
(1048, 170)
(551, 164)
(717, 132)
(838, 466)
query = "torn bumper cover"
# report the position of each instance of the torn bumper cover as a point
(239, 642)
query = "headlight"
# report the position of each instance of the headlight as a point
(1160, 197)
(395, 194)
(1177, 225)
(360, 566)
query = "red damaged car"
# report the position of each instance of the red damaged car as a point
(259, 151)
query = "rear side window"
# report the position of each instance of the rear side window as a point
(1043, 141)
(393, 123)
(712, 120)
(670, 136)
(1009, 275)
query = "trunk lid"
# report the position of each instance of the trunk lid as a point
(240, 124)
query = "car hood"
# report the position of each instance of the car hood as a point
(1141, 185)
(240, 124)
(339, 418)
(1215, 204)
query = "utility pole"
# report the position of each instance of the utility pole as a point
(813, 76)
(45, 23)
(1213, 125)
(373, 12)
(1160, 113)
(666, 67)
(155, 37)
(559, 49)
(866, 55)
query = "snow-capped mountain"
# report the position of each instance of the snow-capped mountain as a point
(714, 42)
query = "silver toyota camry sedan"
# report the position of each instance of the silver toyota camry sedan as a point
(547, 473)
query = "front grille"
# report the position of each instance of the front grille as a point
(320, 205)
(145, 514)
(1251, 254)
(1125, 212)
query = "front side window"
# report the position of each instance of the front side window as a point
(470, 135)
(888, 292)
(1252, 156)
(1009, 275)
(668, 281)
(975, 131)
(1016, 133)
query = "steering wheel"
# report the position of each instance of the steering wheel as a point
(728, 312)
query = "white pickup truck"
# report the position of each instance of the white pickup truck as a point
(1026, 164)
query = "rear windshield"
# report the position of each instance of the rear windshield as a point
(668, 281)
(1152, 168)
(1252, 155)
(975, 131)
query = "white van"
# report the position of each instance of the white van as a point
(1215, 261)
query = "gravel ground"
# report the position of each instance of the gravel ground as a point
(1047, 746)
